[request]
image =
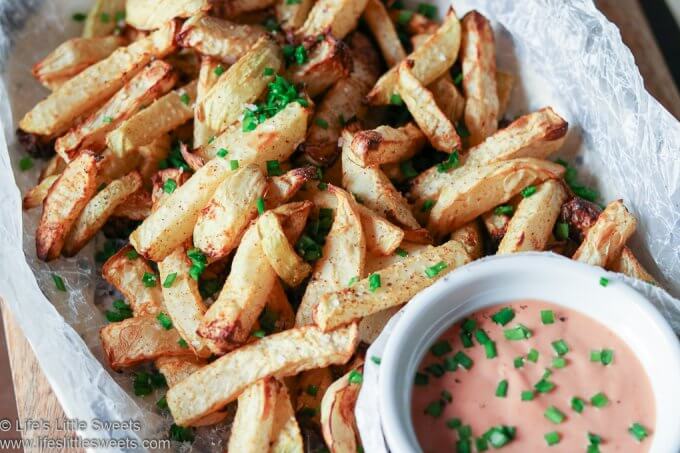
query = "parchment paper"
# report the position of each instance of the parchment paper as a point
(565, 54)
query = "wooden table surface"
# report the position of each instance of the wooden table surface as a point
(33, 394)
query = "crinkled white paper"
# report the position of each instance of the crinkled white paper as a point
(564, 53)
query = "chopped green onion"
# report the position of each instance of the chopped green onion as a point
(450, 364)
(222, 152)
(595, 356)
(504, 210)
(164, 320)
(562, 230)
(481, 336)
(184, 98)
(427, 10)
(519, 332)
(453, 423)
(481, 444)
(79, 17)
(233, 164)
(528, 395)
(211, 139)
(604, 281)
(407, 169)
(312, 390)
(499, 436)
(274, 168)
(464, 431)
(458, 78)
(132, 254)
(502, 389)
(453, 161)
(503, 316)
(578, 404)
(26, 163)
(469, 325)
(219, 70)
(552, 438)
(594, 439)
(259, 333)
(404, 17)
(421, 379)
(395, 99)
(322, 123)
(554, 415)
(547, 316)
(606, 356)
(532, 356)
(544, 386)
(593, 449)
(260, 205)
(352, 280)
(59, 282)
(560, 347)
(401, 252)
(440, 348)
(435, 409)
(638, 431)
(463, 359)
(490, 349)
(107, 119)
(198, 262)
(169, 280)
(435, 369)
(268, 71)
(434, 270)
(374, 282)
(105, 17)
(518, 362)
(183, 343)
(546, 374)
(599, 400)
(528, 191)
(149, 280)
(446, 396)
(169, 186)
(355, 377)
(300, 55)
(376, 360)
(427, 205)
(559, 362)
(462, 130)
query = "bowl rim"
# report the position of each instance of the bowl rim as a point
(398, 427)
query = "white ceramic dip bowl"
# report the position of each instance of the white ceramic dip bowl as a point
(547, 277)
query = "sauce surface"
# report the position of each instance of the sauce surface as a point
(445, 406)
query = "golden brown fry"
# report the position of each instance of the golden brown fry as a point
(480, 189)
(151, 156)
(65, 200)
(436, 126)
(124, 271)
(386, 144)
(182, 300)
(337, 17)
(385, 33)
(337, 414)
(398, 283)
(496, 224)
(149, 84)
(532, 223)
(372, 326)
(221, 223)
(431, 60)
(110, 166)
(478, 58)
(36, 195)
(74, 55)
(286, 436)
(280, 355)
(102, 19)
(219, 38)
(207, 76)
(136, 207)
(93, 86)
(223, 104)
(605, 239)
(55, 166)
(229, 321)
(98, 210)
(292, 15)
(152, 14)
(328, 62)
(254, 421)
(136, 340)
(448, 98)
(176, 369)
(343, 257)
(282, 188)
(319, 379)
(158, 181)
(278, 314)
(279, 252)
(629, 265)
(154, 121)
(470, 237)
(504, 84)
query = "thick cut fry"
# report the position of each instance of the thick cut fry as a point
(342, 102)
(74, 55)
(152, 14)
(102, 19)
(283, 188)
(207, 76)
(65, 200)
(286, 436)
(431, 60)
(124, 271)
(383, 30)
(93, 86)
(328, 62)
(372, 326)
(161, 117)
(280, 355)
(436, 126)
(219, 38)
(496, 224)
(274, 139)
(448, 98)
(292, 15)
(278, 314)
(343, 257)
(159, 179)
(254, 419)
(605, 239)
(386, 144)
(532, 223)
(470, 237)
(338, 424)
(398, 283)
(536, 134)
(36, 195)
(223, 220)
(629, 265)
(504, 84)
(229, 321)
(478, 59)
(480, 189)
(176, 369)
(98, 210)
(55, 166)
(337, 17)
(136, 340)
(279, 252)
(110, 166)
(151, 156)
(182, 299)
(242, 84)
(136, 207)
(319, 379)
(145, 87)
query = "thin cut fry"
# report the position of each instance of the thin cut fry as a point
(254, 421)
(102, 19)
(337, 415)
(279, 252)
(398, 283)
(382, 27)
(337, 17)
(280, 355)
(386, 144)
(152, 14)
(65, 200)
(36, 195)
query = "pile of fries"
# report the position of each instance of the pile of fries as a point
(289, 190)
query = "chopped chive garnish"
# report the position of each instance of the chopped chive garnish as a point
(322, 123)
(544, 386)
(466, 339)
(401, 252)
(132, 254)
(374, 282)
(599, 400)
(435, 409)
(79, 17)
(395, 99)
(546, 374)
(606, 356)
(421, 379)
(435, 269)
(504, 210)
(59, 282)
(638, 431)
(453, 161)
(427, 205)
(552, 438)
(407, 169)
(440, 348)
(503, 316)
(260, 205)
(559, 362)
(490, 349)
(427, 10)
(355, 377)
(352, 280)
(184, 98)
(453, 423)
(481, 444)
(169, 280)
(312, 390)
(604, 281)
(183, 343)
(450, 364)
(268, 71)
(464, 445)
(481, 336)
(518, 362)
(105, 17)
(547, 316)
(274, 168)
(435, 369)
(533, 355)
(578, 404)
(519, 332)
(562, 230)
(464, 431)
(149, 280)
(594, 439)
(595, 356)
(222, 152)
(107, 120)
(592, 448)
(169, 186)
(446, 396)
(502, 389)
(528, 191)
(233, 164)
(469, 325)
(554, 415)
(458, 78)
(164, 320)
(219, 70)
(463, 359)
(528, 395)
(259, 333)
(376, 360)
(499, 436)
(25, 163)
(198, 262)
(211, 139)
(560, 347)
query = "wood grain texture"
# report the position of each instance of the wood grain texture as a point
(33, 394)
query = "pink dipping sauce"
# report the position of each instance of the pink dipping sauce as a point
(472, 392)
